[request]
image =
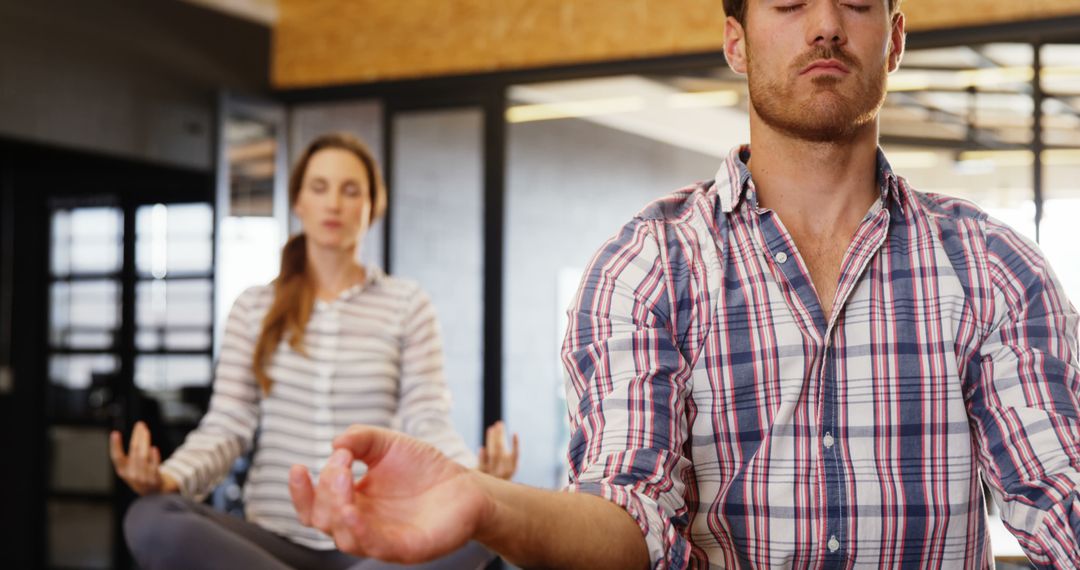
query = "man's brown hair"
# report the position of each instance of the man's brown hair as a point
(737, 8)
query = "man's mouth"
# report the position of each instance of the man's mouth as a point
(829, 66)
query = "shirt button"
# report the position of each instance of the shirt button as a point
(834, 544)
(781, 257)
(827, 440)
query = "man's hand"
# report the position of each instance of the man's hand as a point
(414, 504)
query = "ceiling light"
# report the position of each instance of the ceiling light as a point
(573, 109)
(901, 160)
(701, 99)
(909, 82)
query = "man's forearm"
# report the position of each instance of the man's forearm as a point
(537, 528)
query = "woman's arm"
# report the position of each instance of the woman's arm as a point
(227, 429)
(423, 395)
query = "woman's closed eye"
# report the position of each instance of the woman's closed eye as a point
(351, 189)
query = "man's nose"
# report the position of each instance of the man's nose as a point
(826, 24)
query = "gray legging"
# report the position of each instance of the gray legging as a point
(169, 531)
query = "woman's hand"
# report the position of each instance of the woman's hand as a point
(140, 468)
(493, 457)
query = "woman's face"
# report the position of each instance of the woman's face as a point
(334, 203)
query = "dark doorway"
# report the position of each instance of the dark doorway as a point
(108, 268)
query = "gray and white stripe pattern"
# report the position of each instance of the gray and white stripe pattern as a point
(374, 357)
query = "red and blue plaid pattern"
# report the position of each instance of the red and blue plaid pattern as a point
(710, 397)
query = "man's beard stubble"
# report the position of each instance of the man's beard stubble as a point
(830, 116)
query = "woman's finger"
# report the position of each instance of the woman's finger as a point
(116, 451)
(303, 495)
(500, 439)
(488, 437)
(482, 461)
(155, 460)
(139, 450)
(510, 462)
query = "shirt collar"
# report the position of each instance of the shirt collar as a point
(733, 182)
(372, 274)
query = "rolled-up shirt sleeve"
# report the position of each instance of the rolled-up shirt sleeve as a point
(627, 385)
(1024, 402)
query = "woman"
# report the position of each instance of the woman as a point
(328, 344)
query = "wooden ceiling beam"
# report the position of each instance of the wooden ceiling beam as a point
(319, 43)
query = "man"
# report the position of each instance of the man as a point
(803, 363)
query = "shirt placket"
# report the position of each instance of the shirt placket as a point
(802, 298)
(867, 241)
(324, 380)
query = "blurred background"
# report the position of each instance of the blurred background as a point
(144, 147)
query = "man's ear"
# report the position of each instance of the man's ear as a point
(897, 37)
(735, 45)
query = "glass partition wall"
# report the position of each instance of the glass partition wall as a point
(437, 240)
(583, 157)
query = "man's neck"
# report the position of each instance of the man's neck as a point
(820, 190)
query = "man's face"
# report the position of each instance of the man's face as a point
(817, 69)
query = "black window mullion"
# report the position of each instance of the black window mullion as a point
(1037, 144)
(125, 379)
(494, 237)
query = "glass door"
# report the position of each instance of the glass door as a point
(130, 333)
(85, 318)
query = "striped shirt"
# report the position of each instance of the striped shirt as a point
(374, 357)
(710, 397)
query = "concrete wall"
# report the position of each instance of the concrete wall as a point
(137, 79)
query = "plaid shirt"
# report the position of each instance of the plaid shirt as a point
(710, 397)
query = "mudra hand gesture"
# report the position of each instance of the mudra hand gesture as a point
(413, 504)
(140, 467)
(493, 458)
